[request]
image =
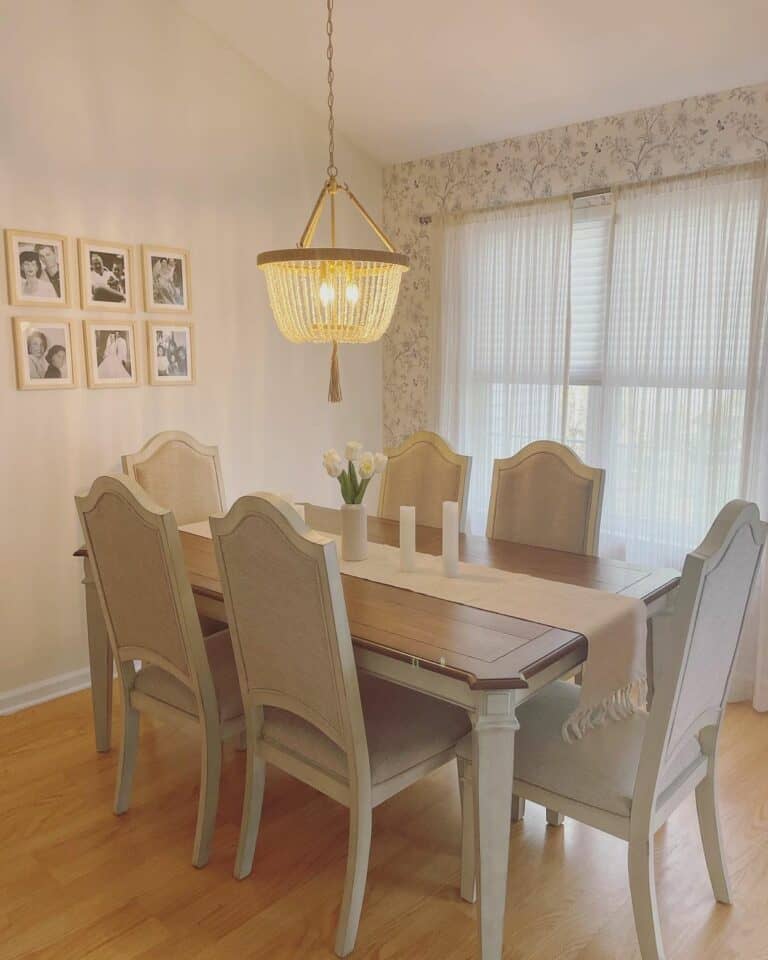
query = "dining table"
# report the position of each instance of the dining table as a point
(485, 662)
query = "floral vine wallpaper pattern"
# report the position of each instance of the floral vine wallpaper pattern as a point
(681, 137)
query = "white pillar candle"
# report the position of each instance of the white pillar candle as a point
(407, 539)
(450, 539)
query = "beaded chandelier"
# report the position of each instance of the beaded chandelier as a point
(333, 294)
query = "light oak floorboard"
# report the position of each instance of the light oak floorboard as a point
(78, 883)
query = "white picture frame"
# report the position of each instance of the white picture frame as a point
(45, 353)
(171, 356)
(106, 276)
(37, 267)
(167, 279)
(111, 357)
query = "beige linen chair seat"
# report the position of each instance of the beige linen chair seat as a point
(599, 771)
(403, 729)
(627, 777)
(153, 681)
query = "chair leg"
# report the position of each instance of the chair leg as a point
(210, 774)
(711, 836)
(252, 801)
(127, 763)
(554, 819)
(360, 819)
(518, 808)
(643, 889)
(468, 888)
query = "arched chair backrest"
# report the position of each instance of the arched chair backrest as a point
(702, 634)
(288, 620)
(423, 472)
(138, 569)
(179, 473)
(546, 497)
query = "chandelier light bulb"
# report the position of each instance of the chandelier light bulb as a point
(353, 293)
(327, 293)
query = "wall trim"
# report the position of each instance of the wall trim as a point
(33, 693)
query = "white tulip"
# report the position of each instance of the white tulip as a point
(380, 462)
(353, 451)
(334, 465)
(366, 466)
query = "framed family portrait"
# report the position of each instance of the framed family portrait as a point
(166, 279)
(110, 353)
(44, 355)
(171, 353)
(38, 269)
(106, 276)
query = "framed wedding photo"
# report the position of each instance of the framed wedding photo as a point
(110, 353)
(166, 279)
(171, 353)
(106, 276)
(38, 269)
(44, 354)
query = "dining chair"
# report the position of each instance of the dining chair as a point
(149, 612)
(627, 777)
(545, 496)
(180, 473)
(359, 741)
(423, 472)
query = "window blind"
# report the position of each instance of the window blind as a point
(590, 256)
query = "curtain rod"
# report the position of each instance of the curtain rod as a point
(426, 219)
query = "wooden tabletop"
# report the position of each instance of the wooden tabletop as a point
(486, 650)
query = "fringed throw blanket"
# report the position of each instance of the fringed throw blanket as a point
(614, 684)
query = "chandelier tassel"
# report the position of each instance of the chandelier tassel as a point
(334, 385)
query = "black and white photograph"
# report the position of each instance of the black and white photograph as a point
(37, 269)
(111, 354)
(43, 354)
(170, 354)
(106, 275)
(166, 279)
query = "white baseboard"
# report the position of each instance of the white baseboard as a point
(22, 697)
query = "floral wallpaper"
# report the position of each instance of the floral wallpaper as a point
(682, 137)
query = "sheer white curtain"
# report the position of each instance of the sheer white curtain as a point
(683, 425)
(500, 359)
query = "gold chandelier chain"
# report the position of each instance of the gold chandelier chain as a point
(332, 171)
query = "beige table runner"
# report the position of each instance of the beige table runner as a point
(614, 676)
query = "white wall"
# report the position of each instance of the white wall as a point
(129, 121)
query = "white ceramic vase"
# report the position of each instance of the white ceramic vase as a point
(354, 531)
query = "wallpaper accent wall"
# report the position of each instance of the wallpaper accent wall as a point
(682, 137)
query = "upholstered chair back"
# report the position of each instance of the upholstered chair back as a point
(423, 472)
(699, 638)
(546, 497)
(138, 568)
(288, 618)
(179, 473)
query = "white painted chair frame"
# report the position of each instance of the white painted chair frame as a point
(197, 677)
(589, 543)
(356, 791)
(132, 462)
(723, 566)
(462, 463)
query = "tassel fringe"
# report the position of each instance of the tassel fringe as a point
(620, 705)
(334, 386)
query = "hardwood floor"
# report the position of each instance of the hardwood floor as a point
(77, 882)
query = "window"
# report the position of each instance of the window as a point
(624, 327)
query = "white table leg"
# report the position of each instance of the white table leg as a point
(493, 742)
(100, 655)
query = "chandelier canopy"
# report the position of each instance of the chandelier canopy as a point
(333, 294)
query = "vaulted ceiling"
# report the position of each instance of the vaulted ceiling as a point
(418, 77)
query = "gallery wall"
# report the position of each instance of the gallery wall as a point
(132, 123)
